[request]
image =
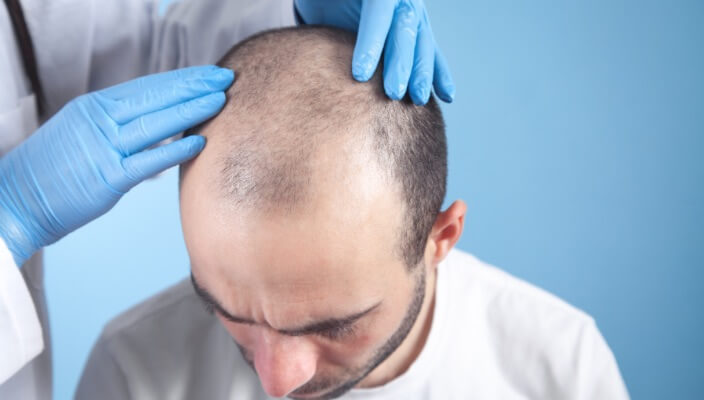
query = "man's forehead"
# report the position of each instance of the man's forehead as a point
(294, 271)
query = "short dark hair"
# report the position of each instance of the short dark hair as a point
(295, 90)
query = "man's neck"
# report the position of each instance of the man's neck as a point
(411, 347)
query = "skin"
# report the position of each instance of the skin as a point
(333, 258)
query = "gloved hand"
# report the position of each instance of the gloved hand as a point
(78, 164)
(412, 60)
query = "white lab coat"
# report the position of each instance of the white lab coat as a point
(82, 46)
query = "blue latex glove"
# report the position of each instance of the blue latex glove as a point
(78, 164)
(412, 61)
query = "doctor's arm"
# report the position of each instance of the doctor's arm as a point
(77, 165)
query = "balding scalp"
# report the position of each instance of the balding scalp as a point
(293, 95)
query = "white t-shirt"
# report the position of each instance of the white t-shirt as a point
(493, 336)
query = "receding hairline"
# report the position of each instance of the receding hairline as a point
(293, 95)
(293, 90)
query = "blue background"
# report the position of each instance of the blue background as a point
(576, 139)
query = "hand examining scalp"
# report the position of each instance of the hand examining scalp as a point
(412, 61)
(80, 162)
(77, 165)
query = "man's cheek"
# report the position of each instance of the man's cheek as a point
(366, 340)
(353, 350)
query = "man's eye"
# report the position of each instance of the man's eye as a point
(338, 333)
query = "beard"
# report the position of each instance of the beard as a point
(336, 388)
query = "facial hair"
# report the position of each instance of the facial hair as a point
(380, 355)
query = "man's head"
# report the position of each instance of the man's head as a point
(312, 216)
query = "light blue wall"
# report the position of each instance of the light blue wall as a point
(576, 139)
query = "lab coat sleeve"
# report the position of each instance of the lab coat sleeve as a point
(20, 331)
(102, 376)
(598, 370)
(85, 45)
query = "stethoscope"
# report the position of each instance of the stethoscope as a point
(29, 60)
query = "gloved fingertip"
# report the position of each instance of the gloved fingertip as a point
(420, 89)
(426, 94)
(221, 78)
(363, 66)
(446, 92)
(445, 88)
(420, 95)
(395, 90)
(192, 145)
(450, 94)
(196, 138)
(213, 100)
(226, 74)
(361, 72)
(219, 98)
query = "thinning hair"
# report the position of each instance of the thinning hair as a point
(293, 93)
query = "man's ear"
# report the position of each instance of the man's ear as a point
(446, 231)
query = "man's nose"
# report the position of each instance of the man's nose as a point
(283, 363)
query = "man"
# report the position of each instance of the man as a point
(95, 147)
(313, 224)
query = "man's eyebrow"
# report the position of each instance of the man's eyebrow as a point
(322, 326)
(329, 324)
(212, 304)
